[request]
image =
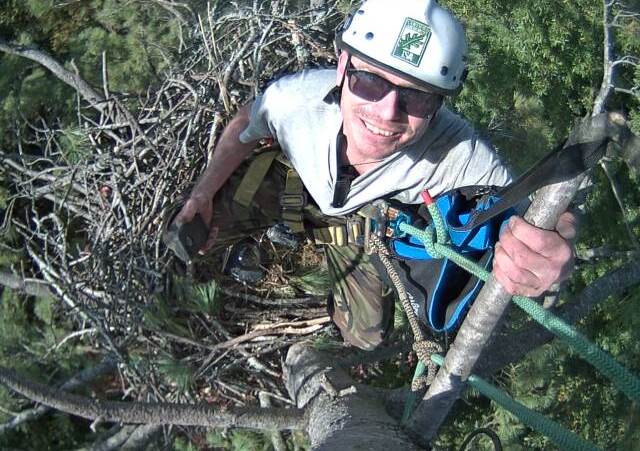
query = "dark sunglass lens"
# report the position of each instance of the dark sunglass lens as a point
(368, 86)
(419, 104)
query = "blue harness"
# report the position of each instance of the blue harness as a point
(439, 290)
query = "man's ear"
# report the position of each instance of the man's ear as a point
(342, 66)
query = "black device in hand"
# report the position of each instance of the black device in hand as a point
(186, 239)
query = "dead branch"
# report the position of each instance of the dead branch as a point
(33, 287)
(90, 95)
(85, 376)
(154, 413)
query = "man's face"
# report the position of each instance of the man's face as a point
(375, 130)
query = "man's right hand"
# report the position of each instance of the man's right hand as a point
(229, 153)
(199, 203)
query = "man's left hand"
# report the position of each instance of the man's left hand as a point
(529, 260)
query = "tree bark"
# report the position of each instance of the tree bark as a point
(80, 379)
(342, 415)
(154, 413)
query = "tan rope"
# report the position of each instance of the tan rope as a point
(422, 347)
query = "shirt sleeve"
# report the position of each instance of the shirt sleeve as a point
(259, 124)
(483, 167)
(270, 110)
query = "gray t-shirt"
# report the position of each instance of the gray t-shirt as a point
(300, 113)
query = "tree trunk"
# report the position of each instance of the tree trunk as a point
(342, 415)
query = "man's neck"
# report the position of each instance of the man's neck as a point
(359, 162)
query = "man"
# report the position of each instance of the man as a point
(375, 128)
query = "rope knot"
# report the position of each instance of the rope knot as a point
(424, 349)
(428, 237)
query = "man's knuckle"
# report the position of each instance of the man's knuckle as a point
(565, 253)
(521, 259)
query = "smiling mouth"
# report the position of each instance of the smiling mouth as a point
(378, 131)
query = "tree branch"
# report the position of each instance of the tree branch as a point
(76, 381)
(31, 287)
(155, 413)
(607, 85)
(71, 79)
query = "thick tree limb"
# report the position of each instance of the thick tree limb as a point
(80, 379)
(74, 80)
(277, 441)
(154, 413)
(342, 414)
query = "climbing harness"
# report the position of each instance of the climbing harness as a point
(439, 290)
(437, 244)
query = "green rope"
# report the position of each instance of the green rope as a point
(409, 405)
(626, 381)
(563, 438)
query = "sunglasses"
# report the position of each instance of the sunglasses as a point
(373, 88)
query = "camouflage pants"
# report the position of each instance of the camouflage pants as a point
(360, 304)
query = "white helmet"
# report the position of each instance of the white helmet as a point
(415, 39)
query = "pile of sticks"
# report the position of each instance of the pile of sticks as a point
(89, 201)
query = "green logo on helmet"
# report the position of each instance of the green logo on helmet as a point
(412, 41)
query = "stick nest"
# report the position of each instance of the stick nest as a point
(89, 202)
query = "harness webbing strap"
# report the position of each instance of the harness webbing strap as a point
(292, 201)
(562, 164)
(340, 235)
(334, 235)
(253, 177)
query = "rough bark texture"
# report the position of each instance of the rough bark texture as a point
(154, 413)
(342, 415)
(76, 381)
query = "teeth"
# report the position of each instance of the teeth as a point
(377, 131)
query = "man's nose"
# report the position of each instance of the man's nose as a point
(389, 106)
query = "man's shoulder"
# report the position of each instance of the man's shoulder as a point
(309, 85)
(450, 123)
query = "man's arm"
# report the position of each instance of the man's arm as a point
(529, 260)
(227, 156)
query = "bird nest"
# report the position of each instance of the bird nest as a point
(89, 203)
